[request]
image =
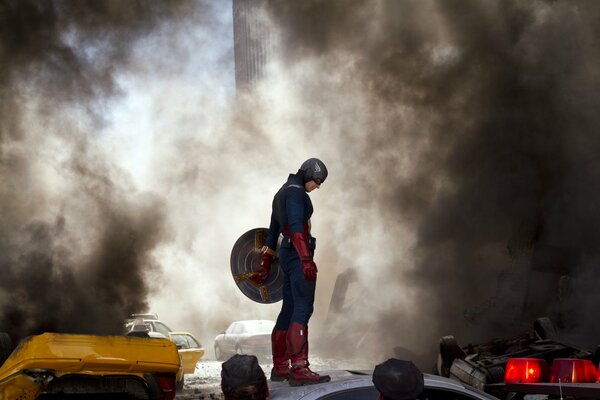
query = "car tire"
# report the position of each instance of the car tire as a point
(449, 351)
(218, 353)
(6, 347)
(544, 329)
(179, 385)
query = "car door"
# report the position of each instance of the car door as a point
(189, 350)
(229, 339)
(240, 333)
(240, 337)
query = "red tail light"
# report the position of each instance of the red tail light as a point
(167, 384)
(526, 370)
(572, 370)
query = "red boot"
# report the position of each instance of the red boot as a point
(281, 359)
(297, 343)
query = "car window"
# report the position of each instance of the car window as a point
(129, 326)
(180, 341)
(238, 328)
(439, 394)
(369, 393)
(161, 328)
(231, 328)
(192, 342)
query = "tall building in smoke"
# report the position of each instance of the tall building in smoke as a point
(252, 42)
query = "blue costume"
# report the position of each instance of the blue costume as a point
(291, 212)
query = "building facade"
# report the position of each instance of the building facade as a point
(252, 42)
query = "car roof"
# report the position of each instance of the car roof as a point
(346, 379)
(144, 316)
(131, 321)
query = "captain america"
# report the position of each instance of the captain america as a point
(290, 217)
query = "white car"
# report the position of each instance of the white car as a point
(245, 337)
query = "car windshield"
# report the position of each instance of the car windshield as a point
(262, 326)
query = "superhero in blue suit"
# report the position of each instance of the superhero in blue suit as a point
(290, 217)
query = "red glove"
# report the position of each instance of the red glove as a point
(309, 268)
(262, 273)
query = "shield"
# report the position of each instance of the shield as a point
(245, 259)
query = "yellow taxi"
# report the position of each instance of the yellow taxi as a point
(52, 364)
(189, 348)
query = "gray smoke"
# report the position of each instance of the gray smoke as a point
(76, 236)
(459, 137)
(483, 146)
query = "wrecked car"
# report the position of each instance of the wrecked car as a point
(53, 365)
(353, 385)
(190, 350)
(245, 337)
(484, 366)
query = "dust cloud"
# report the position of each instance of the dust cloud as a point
(77, 234)
(459, 138)
(462, 133)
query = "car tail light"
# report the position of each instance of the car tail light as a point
(572, 370)
(526, 370)
(167, 384)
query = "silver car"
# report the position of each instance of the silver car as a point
(357, 385)
(245, 337)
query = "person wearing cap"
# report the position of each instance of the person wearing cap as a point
(398, 380)
(290, 216)
(243, 379)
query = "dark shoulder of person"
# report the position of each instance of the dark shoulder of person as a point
(398, 380)
(243, 378)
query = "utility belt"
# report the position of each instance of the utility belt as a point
(286, 231)
(287, 243)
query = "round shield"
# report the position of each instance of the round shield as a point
(245, 259)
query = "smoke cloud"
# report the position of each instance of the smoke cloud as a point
(76, 235)
(476, 161)
(459, 137)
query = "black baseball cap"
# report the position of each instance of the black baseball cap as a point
(241, 370)
(398, 379)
